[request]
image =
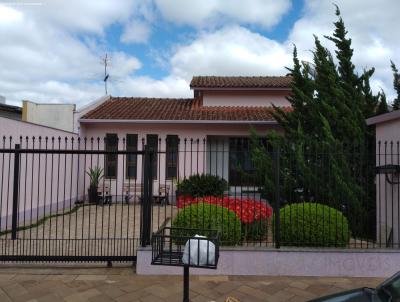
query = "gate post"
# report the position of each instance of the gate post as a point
(277, 202)
(147, 196)
(15, 193)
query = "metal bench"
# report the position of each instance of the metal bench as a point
(133, 190)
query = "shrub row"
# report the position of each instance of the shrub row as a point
(301, 224)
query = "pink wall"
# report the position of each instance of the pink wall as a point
(193, 157)
(245, 98)
(388, 195)
(47, 182)
(287, 262)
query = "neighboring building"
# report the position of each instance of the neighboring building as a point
(208, 129)
(9, 111)
(387, 129)
(60, 116)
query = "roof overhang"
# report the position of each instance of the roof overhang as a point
(382, 118)
(242, 88)
(227, 122)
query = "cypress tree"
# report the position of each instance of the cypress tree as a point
(396, 85)
(382, 107)
(323, 148)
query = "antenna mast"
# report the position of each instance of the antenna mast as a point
(105, 61)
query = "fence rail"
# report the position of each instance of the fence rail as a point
(324, 197)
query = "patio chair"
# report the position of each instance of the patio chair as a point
(135, 190)
(163, 195)
(104, 193)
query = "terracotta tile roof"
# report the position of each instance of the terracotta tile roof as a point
(123, 108)
(240, 82)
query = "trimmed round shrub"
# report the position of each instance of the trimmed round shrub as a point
(313, 224)
(200, 185)
(208, 216)
(255, 231)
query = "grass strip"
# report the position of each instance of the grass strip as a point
(43, 220)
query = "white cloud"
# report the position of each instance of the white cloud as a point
(51, 52)
(51, 92)
(372, 25)
(201, 13)
(9, 15)
(38, 55)
(231, 51)
(136, 32)
(170, 86)
(123, 65)
(82, 16)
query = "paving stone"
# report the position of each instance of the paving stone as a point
(252, 292)
(122, 285)
(101, 298)
(83, 296)
(213, 278)
(299, 284)
(4, 297)
(111, 291)
(6, 277)
(63, 278)
(91, 277)
(134, 296)
(14, 290)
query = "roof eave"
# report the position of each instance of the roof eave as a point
(382, 118)
(241, 88)
(120, 121)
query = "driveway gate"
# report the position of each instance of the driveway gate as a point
(47, 210)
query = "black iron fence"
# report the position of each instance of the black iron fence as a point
(53, 209)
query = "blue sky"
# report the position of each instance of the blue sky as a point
(51, 49)
(166, 34)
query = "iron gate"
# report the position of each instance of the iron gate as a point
(48, 212)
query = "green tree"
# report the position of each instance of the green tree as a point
(326, 149)
(383, 106)
(396, 85)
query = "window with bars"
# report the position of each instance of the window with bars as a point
(241, 168)
(131, 159)
(171, 160)
(152, 143)
(111, 160)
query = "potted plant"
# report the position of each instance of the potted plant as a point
(95, 175)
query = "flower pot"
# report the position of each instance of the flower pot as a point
(92, 193)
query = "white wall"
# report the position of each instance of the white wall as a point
(60, 116)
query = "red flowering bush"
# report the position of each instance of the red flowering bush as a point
(253, 214)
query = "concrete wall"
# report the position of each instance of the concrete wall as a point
(388, 195)
(60, 116)
(47, 183)
(287, 262)
(245, 98)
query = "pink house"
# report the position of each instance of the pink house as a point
(208, 133)
(204, 129)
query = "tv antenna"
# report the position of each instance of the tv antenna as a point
(105, 61)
